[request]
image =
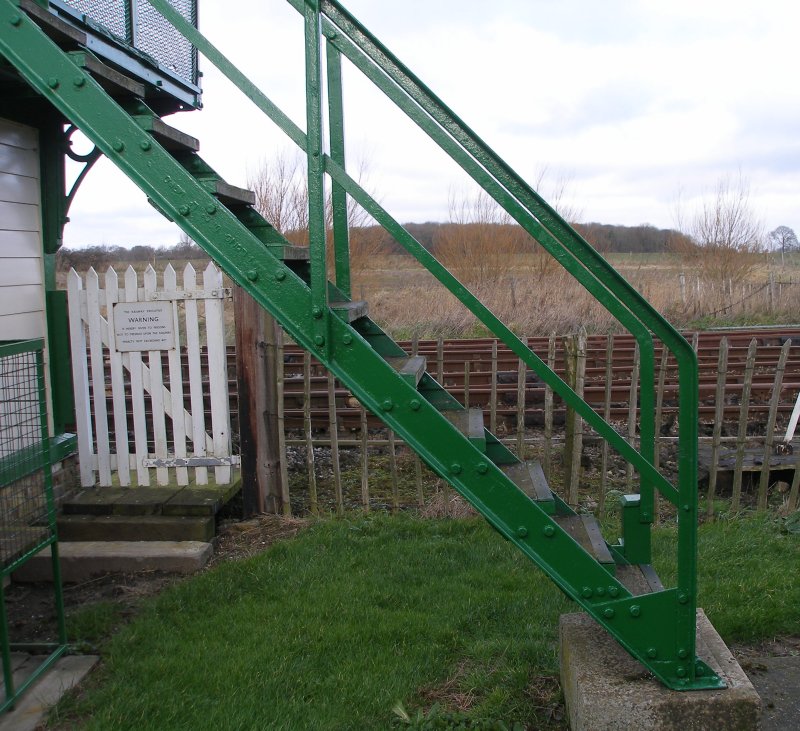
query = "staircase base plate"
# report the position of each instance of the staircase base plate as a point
(607, 690)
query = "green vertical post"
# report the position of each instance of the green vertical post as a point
(341, 226)
(316, 175)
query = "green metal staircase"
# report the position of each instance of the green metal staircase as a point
(614, 583)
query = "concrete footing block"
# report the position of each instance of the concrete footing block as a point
(81, 560)
(607, 690)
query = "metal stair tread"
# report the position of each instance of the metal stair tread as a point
(468, 421)
(350, 311)
(228, 194)
(52, 25)
(409, 366)
(114, 83)
(529, 477)
(639, 578)
(168, 137)
(586, 531)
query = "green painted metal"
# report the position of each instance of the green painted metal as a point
(658, 629)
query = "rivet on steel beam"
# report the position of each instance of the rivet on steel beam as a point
(600, 591)
(635, 610)
(683, 598)
(652, 653)
(455, 468)
(387, 405)
(252, 275)
(687, 507)
(414, 404)
(319, 340)
(347, 338)
(522, 532)
(683, 653)
(118, 145)
(681, 672)
(145, 145)
(79, 81)
(211, 209)
(587, 592)
(699, 670)
(549, 531)
(609, 613)
(613, 591)
(184, 210)
(482, 468)
(53, 82)
(280, 275)
(316, 310)
(15, 20)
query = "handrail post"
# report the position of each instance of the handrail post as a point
(341, 231)
(316, 174)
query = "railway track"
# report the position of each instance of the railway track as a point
(456, 361)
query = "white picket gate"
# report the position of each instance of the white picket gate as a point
(124, 331)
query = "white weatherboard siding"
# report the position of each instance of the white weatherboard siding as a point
(22, 288)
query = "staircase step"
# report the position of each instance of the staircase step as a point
(83, 560)
(639, 578)
(168, 137)
(114, 83)
(62, 33)
(350, 311)
(411, 368)
(529, 477)
(586, 531)
(229, 195)
(470, 423)
(135, 528)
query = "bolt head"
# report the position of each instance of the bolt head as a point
(635, 610)
(145, 145)
(455, 468)
(522, 532)
(184, 210)
(52, 82)
(681, 672)
(319, 340)
(316, 310)
(280, 275)
(79, 81)
(347, 338)
(387, 405)
(587, 592)
(600, 591)
(683, 653)
(609, 613)
(118, 146)
(252, 275)
(652, 653)
(549, 531)
(211, 209)
(683, 598)
(482, 468)
(15, 20)
(415, 404)
(613, 591)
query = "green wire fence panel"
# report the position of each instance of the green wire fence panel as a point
(27, 513)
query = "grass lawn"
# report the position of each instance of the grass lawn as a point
(335, 628)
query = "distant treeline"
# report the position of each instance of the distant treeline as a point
(606, 238)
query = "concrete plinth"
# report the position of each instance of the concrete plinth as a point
(81, 560)
(607, 690)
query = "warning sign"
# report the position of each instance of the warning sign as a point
(144, 326)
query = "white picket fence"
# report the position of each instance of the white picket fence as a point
(131, 330)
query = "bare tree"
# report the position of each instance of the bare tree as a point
(725, 236)
(785, 239)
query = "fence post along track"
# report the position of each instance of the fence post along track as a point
(130, 372)
(27, 510)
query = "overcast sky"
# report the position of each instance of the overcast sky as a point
(630, 101)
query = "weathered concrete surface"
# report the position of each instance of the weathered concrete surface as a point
(607, 690)
(31, 708)
(81, 560)
(777, 680)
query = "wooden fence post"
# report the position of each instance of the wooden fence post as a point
(258, 409)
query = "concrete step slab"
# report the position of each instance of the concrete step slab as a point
(135, 528)
(31, 708)
(82, 560)
(607, 690)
